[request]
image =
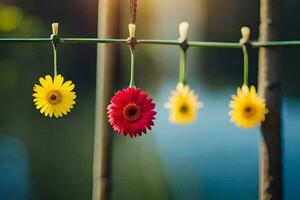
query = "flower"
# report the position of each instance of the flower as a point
(53, 96)
(183, 105)
(131, 112)
(248, 110)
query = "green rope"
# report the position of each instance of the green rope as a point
(159, 42)
(182, 69)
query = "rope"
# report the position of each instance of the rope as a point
(133, 10)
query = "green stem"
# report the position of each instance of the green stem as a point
(246, 65)
(132, 83)
(182, 66)
(55, 59)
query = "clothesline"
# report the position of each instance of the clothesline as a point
(204, 44)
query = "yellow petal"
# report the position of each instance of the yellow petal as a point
(58, 81)
(47, 87)
(240, 105)
(183, 96)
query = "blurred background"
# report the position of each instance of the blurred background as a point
(42, 158)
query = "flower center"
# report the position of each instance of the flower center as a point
(183, 109)
(131, 112)
(249, 111)
(54, 97)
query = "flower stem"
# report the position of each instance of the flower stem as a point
(132, 83)
(182, 66)
(246, 65)
(54, 59)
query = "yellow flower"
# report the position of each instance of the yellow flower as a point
(183, 105)
(248, 110)
(54, 97)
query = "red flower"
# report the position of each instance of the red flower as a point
(131, 112)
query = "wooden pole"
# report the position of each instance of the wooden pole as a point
(269, 88)
(107, 56)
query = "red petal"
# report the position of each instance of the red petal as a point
(115, 112)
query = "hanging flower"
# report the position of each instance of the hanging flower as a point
(248, 110)
(131, 112)
(183, 105)
(53, 96)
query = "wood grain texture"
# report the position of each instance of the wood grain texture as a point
(269, 87)
(107, 62)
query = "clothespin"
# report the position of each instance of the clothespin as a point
(132, 40)
(131, 28)
(54, 35)
(245, 31)
(183, 31)
(54, 28)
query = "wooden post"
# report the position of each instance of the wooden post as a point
(269, 88)
(107, 56)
